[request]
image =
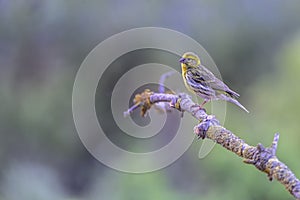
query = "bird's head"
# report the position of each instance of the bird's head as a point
(190, 59)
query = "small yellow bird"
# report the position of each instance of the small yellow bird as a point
(203, 83)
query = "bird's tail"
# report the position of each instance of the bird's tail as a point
(232, 100)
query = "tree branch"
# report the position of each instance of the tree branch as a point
(263, 158)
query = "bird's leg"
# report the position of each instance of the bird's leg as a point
(200, 107)
(202, 104)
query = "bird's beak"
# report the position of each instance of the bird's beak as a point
(182, 60)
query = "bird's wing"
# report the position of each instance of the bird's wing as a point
(198, 83)
(207, 78)
(200, 76)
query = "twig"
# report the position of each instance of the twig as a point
(162, 80)
(264, 159)
(130, 110)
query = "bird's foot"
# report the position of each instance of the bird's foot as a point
(201, 108)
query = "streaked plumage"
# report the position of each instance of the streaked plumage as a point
(203, 83)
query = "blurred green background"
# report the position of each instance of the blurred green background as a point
(255, 44)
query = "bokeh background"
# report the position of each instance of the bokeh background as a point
(255, 44)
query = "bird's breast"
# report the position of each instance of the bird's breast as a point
(183, 69)
(183, 73)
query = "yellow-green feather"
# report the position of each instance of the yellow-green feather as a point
(183, 73)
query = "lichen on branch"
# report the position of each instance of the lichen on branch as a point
(263, 158)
